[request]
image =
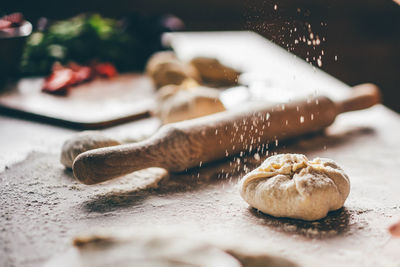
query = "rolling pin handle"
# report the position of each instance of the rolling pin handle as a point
(102, 164)
(168, 148)
(362, 96)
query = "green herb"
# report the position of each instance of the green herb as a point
(82, 39)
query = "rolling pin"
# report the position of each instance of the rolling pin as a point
(182, 145)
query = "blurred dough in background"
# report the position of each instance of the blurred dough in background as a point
(164, 69)
(214, 72)
(160, 249)
(177, 103)
(180, 94)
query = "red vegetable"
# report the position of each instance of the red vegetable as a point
(105, 69)
(81, 73)
(63, 78)
(395, 229)
(59, 81)
(4, 24)
(15, 19)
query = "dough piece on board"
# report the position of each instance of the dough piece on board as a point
(289, 185)
(164, 69)
(177, 105)
(82, 142)
(157, 58)
(214, 72)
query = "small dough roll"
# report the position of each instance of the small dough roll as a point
(164, 69)
(83, 142)
(214, 72)
(177, 104)
(158, 58)
(289, 185)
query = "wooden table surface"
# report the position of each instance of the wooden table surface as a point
(43, 207)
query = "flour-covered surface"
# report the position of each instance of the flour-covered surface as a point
(154, 247)
(43, 207)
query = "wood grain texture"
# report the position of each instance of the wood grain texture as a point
(179, 146)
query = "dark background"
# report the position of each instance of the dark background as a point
(364, 35)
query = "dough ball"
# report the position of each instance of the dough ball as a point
(170, 90)
(167, 91)
(289, 185)
(82, 142)
(214, 72)
(164, 69)
(178, 105)
(157, 58)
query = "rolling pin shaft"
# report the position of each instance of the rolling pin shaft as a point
(179, 146)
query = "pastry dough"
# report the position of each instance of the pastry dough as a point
(214, 72)
(157, 248)
(82, 142)
(164, 69)
(176, 104)
(289, 185)
(157, 58)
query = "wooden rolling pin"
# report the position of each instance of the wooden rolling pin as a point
(179, 146)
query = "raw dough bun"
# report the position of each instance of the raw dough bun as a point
(176, 104)
(214, 72)
(82, 142)
(164, 68)
(170, 90)
(288, 185)
(167, 91)
(157, 58)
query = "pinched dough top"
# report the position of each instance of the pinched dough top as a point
(289, 185)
